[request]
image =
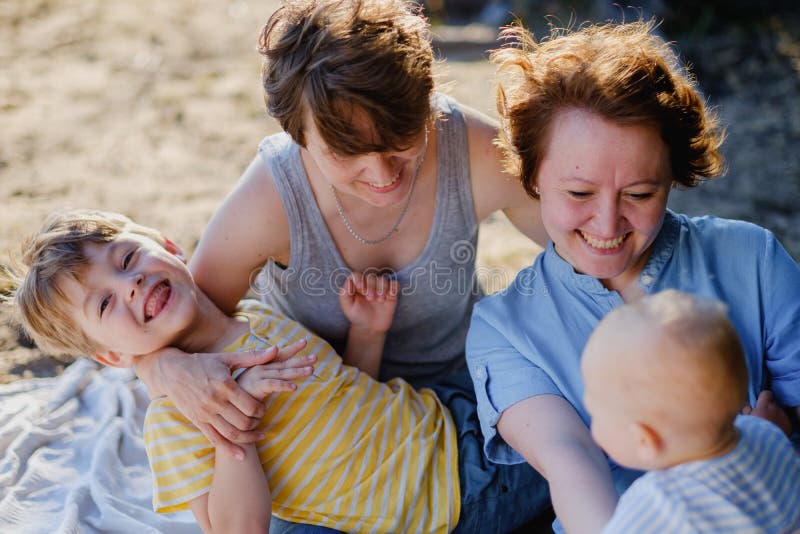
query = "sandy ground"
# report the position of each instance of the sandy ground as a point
(154, 108)
(149, 108)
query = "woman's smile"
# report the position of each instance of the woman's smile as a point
(604, 246)
(604, 190)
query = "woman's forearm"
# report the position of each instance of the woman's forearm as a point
(548, 433)
(581, 490)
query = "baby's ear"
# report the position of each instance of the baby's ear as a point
(649, 444)
(113, 359)
(174, 249)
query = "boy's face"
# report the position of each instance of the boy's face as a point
(134, 297)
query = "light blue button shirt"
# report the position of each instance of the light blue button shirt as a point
(528, 339)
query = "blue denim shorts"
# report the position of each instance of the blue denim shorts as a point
(494, 497)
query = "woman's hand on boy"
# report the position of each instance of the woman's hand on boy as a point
(202, 388)
(261, 380)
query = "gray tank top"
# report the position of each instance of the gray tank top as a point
(437, 290)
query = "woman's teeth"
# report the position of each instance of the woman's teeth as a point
(603, 244)
(384, 186)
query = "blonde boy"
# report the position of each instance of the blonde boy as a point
(665, 380)
(342, 451)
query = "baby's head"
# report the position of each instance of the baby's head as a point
(96, 283)
(664, 380)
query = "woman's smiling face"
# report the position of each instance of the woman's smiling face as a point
(603, 189)
(378, 178)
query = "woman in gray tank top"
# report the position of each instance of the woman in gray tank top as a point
(376, 178)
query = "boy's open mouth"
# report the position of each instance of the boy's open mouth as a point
(157, 299)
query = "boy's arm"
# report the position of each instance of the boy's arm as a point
(364, 350)
(203, 390)
(368, 302)
(548, 433)
(239, 499)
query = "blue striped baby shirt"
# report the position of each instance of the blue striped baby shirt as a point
(753, 489)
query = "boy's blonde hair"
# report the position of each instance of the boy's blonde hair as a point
(55, 252)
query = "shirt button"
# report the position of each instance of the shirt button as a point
(479, 372)
(647, 279)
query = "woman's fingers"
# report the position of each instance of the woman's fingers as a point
(241, 410)
(248, 358)
(220, 443)
(234, 434)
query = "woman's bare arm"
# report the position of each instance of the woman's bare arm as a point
(248, 229)
(548, 433)
(492, 188)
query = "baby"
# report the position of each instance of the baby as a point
(665, 380)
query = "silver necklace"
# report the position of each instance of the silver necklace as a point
(363, 240)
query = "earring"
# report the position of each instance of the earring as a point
(536, 190)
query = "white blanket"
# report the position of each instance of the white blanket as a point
(73, 458)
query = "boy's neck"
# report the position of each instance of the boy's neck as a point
(212, 330)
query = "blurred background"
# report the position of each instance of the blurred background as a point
(154, 109)
(746, 56)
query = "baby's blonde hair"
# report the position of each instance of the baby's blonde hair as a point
(56, 251)
(710, 359)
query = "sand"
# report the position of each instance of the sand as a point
(149, 108)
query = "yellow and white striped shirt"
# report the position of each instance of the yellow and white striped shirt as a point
(342, 451)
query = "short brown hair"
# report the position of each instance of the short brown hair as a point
(56, 251)
(335, 58)
(624, 73)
